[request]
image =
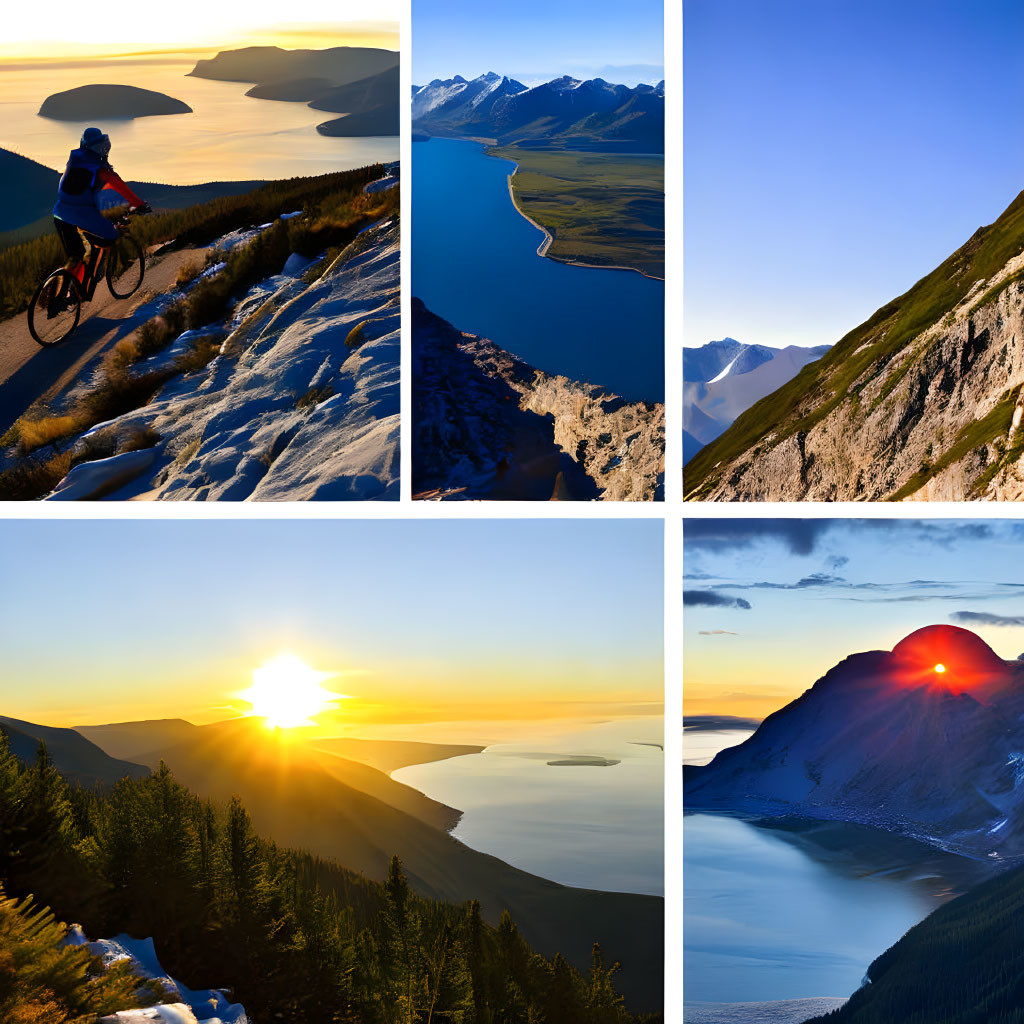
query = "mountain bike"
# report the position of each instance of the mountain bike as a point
(57, 304)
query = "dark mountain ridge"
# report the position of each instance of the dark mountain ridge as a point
(35, 187)
(75, 757)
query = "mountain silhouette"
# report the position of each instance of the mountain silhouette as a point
(75, 757)
(924, 740)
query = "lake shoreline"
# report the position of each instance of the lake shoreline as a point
(545, 245)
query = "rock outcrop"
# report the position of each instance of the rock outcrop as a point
(922, 402)
(488, 425)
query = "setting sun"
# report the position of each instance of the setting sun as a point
(940, 668)
(287, 693)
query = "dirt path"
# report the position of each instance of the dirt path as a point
(29, 373)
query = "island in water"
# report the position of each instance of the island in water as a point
(95, 102)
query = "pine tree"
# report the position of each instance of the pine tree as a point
(42, 981)
(400, 942)
(11, 796)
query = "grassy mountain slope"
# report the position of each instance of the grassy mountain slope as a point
(868, 355)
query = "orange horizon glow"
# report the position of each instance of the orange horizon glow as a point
(148, 33)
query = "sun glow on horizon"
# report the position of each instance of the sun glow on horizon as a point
(940, 668)
(287, 693)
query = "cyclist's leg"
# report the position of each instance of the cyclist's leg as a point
(74, 247)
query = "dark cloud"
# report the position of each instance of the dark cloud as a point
(800, 536)
(837, 562)
(712, 599)
(716, 632)
(988, 619)
(818, 579)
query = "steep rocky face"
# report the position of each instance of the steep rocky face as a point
(925, 740)
(488, 425)
(923, 402)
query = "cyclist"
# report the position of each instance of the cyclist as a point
(80, 224)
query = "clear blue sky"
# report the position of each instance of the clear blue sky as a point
(771, 605)
(97, 617)
(536, 40)
(836, 152)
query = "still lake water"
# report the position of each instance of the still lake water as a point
(229, 137)
(768, 915)
(475, 264)
(582, 825)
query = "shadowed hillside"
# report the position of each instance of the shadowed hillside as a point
(295, 799)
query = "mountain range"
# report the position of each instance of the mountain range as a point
(562, 113)
(922, 401)
(349, 812)
(925, 740)
(724, 378)
(359, 82)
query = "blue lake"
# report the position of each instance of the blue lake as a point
(770, 915)
(598, 827)
(475, 263)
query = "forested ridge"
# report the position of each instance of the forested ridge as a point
(294, 937)
(963, 964)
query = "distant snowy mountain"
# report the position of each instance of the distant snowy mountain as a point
(565, 111)
(724, 378)
(459, 97)
(926, 740)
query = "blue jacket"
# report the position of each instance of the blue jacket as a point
(79, 183)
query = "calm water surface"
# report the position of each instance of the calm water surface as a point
(475, 263)
(772, 914)
(595, 827)
(229, 137)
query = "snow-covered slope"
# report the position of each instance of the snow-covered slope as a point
(725, 378)
(888, 739)
(288, 410)
(181, 1006)
(456, 95)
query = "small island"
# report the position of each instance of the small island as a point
(99, 102)
(584, 761)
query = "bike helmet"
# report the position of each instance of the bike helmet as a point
(96, 141)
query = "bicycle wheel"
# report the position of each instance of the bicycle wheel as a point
(126, 265)
(52, 318)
